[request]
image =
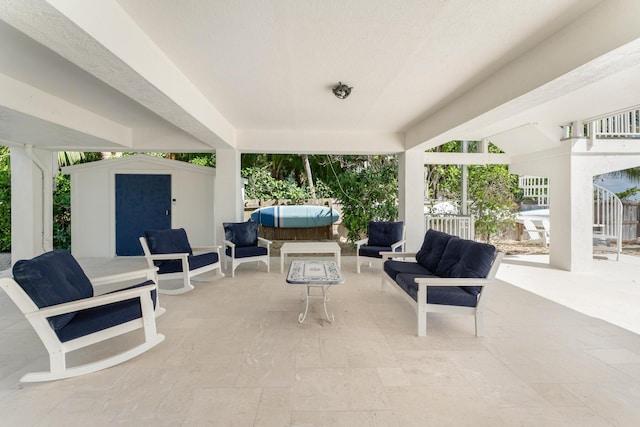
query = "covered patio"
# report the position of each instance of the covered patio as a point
(236, 355)
(233, 77)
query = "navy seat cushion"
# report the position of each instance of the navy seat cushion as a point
(466, 258)
(53, 278)
(393, 268)
(374, 251)
(432, 248)
(172, 241)
(445, 295)
(195, 262)
(103, 317)
(242, 234)
(384, 233)
(248, 251)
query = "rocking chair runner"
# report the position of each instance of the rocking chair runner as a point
(58, 300)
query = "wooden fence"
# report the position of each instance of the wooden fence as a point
(630, 221)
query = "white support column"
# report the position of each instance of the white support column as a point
(32, 172)
(465, 182)
(228, 191)
(571, 213)
(411, 196)
(570, 205)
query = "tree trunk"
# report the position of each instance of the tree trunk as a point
(307, 168)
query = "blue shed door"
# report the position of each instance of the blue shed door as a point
(143, 202)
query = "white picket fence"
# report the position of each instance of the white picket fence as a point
(457, 225)
(535, 187)
(622, 125)
(607, 221)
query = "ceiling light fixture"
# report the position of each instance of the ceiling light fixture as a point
(341, 91)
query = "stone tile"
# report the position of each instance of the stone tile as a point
(333, 389)
(343, 418)
(235, 354)
(223, 406)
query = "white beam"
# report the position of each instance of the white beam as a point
(55, 119)
(466, 159)
(103, 40)
(566, 62)
(317, 142)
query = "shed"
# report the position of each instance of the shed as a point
(113, 201)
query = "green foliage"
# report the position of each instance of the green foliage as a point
(62, 212)
(261, 185)
(491, 188)
(5, 200)
(68, 158)
(628, 193)
(368, 191)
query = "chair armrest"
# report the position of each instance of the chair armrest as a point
(398, 244)
(265, 241)
(386, 255)
(446, 281)
(361, 242)
(158, 257)
(229, 243)
(206, 249)
(97, 301)
(148, 273)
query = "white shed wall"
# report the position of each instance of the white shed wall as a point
(93, 202)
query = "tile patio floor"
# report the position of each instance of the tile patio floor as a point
(235, 355)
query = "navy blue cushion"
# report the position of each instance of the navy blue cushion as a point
(393, 268)
(172, 241)
(248, 251)
(432, 249)
(466, 258)
(384, 233)
(53, 278)
(242, 234)
(374, 251)
(195, 262)
(446, 295)
(99, 318)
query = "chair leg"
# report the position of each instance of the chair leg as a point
(357, 263)
(422, 310)
(422, 323)
(479, 324)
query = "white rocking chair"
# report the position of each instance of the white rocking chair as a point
(57, 299)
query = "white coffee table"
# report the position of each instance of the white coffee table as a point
(315, 274)
(308, 248)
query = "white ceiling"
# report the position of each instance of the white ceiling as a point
(257, 74)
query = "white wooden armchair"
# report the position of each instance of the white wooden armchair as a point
(57, 299)
(242, 244)
(173, 255)
(382, 236)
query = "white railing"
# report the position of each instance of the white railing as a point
(622, 125)
(535, 187)
(607, 221)
(457, 225)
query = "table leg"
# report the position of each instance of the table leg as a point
(282, 256)
(303, 316)
(325, 298)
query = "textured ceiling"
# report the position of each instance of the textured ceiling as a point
(270, 64)
(257, 74)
